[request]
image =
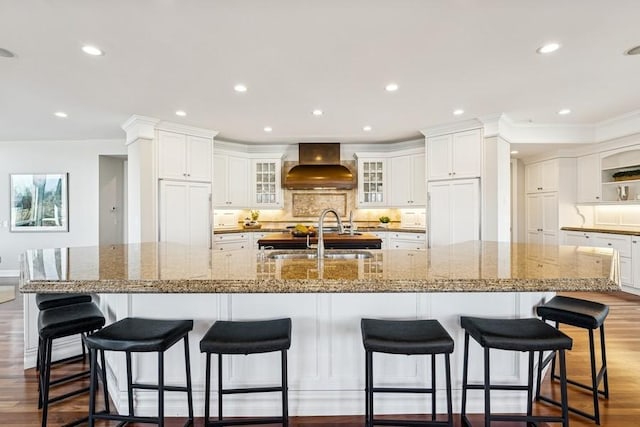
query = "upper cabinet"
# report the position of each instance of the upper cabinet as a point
(266, 186)
(542, 177)
(372, 182)
(456, 155)
(184, 157)
(231, 181)
(588, 174)
(620, 175)
(408, 181)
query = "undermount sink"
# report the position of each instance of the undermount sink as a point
(327, 255)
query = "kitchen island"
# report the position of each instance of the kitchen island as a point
(325, 300)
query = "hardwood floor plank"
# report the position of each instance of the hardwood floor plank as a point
(18, 388)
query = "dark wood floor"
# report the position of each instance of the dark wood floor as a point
(18, 388)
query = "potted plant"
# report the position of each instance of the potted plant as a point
(384, 221)
(255, 214)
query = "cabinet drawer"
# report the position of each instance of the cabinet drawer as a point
(409, 236)
(408, 244)
(620, 243)
(230, 246)
(231, 237)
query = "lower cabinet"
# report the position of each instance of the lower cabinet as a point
(231, 241)
(185, 212)
(412, 241)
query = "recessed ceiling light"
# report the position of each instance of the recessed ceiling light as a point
(632, 51)
(268, 129)
(6, 53)
(240, 88)
(564, 112)
(514, 151)
(548, 48)
(458, 112)
(92, 50)
(181, 113)
(61, 114)
(391, 87)
(366, 128)
(318, 112)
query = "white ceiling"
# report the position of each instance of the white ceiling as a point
(297, 55)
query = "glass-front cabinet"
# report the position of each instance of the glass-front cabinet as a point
(372, 182)
(267, 188)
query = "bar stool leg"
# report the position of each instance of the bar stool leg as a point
(370, 388)
(433, 387)
(487, 388)
(105, 388)
(530, 388)
(447, 363)
(46, 367)
(285, 390)
(563, 389)
(160, 389)
(605, 377)
(594, 378)
(207, 389)
(92, 386)
(187, 363)
(465, 373)
(129, 384)
(220, 387)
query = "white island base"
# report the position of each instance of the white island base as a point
(326, 359)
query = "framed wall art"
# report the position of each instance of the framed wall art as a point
(39, 202)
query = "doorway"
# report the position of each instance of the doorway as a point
(112, 206)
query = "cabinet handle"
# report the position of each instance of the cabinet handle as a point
(454, 173)
(608, 244)
(597, 197)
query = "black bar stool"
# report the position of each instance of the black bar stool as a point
(584, 314)
(46, 301)
(410, 337)
(525, 335)
(136, 335)
(59, 322)
(232, 337)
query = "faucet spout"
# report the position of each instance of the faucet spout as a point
(321, 229)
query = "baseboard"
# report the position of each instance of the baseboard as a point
(9, 273)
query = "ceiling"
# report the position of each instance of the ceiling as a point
(298, 55)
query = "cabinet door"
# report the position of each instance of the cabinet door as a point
(172, 148)
(266, 188)
(534, 214)
(174, 212)
(439, 157)
(220, 177)
(589, 185)
(199, 151)
(532, 178)
(372, 182)
(465, 210)
(550, 213)
(635, 261)
(400, 178)
(199, 214)
(238, 182)
(549, 175)
(419, 180)
(439, 213)
(576, 238)
(618, 242)
(466, 154)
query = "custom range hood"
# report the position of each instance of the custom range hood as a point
(319, 167)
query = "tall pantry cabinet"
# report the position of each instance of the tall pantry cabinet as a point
(550, 199)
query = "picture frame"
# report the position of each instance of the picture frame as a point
(39, 202)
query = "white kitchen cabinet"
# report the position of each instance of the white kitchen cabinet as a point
(413, 241)
(453, 211)
(231, 181)
(635, 261)
(266, 191)
(457, 155)
(231, 241)
(617, 162)
(407, 181)
(185, 212)
(542, 176)
(542, 218)
(257, 235)
(372, 182)
(589, 187)
(184, 157)
(577, 238)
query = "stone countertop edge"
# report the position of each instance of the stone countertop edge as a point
(285, 230)
(603, 230)
(274, 286)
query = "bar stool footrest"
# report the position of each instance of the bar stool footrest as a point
(243, 421)
(409, 423)
(250, 390)
(571, 409)
(401, 390)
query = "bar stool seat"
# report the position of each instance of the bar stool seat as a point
(59, 322)
(409, 337)
(141, 335)
(524, 335)
(582, 314)
(46, 301)
(247, 337)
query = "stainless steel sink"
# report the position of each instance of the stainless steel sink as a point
(314, 255)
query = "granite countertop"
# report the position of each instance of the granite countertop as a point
(465, 267)
(626, 232)
(282, 227)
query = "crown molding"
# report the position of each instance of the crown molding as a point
(139, 127)
(451, 127)
(188, 130)
(624, 125)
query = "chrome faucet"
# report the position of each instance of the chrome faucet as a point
(321, 229)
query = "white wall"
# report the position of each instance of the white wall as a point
(77, 158)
